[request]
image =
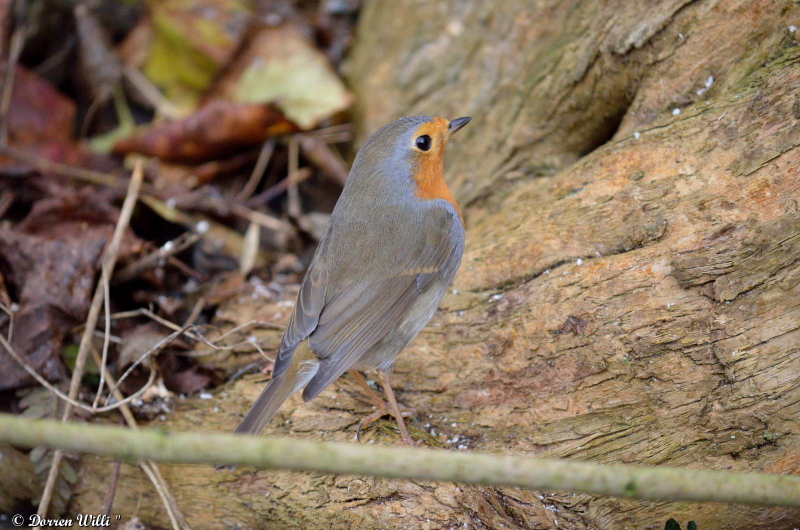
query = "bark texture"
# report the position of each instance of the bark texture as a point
(630, 290)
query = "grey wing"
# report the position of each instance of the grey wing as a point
(304, 319)
(357, 318)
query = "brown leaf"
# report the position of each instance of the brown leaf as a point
(186, 381)
(75, 212)
(217, 129)
(280, 65)
(54, 279)
(41, 123)
(73, 209)
(39, 113)
(140, 341)
(50, 262)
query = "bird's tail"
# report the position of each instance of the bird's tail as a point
(303, 367)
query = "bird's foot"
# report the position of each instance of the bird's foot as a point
(382, 408)
(385, 410)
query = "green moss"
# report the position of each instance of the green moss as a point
(630, 489)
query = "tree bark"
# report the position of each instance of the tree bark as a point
(630, 290)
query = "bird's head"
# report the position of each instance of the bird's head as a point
(409, 154)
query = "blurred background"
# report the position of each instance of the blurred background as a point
(242, 116)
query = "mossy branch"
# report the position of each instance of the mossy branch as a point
(654, 483)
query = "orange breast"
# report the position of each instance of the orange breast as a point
(429, 170)
(429, 178)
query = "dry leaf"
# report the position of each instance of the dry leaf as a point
(140, 341)
(191, 41)
(219, 128)
(38, 113)
(280, 65)
(51, 261)
(55, 281)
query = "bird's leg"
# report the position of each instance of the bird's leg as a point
(374, 397)
(395, 408)
(381, 407)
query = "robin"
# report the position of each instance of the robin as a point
(391, 249)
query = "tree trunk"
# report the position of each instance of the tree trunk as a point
(630, 290)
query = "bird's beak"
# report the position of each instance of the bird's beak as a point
(456, 124)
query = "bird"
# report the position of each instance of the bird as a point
(390, 251)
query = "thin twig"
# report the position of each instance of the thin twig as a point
(6, 200)
(215, 346)
(267, 195)
(187, 270)
(112, 489)
(242, 371)
(41, 380)
(149, 91)
(109, 262)
(252, 323)
(618, 480)
(90, 113)
(345, 131)
(43, 68)
(163, 343)
(318, 152)
(152, 260)
(264, 157)
(77, 173)
(106, 338)
(259, 218)
(10, 313)
(166, 323)
(150, 468)
(293, 194)
(58, 393)
(196, 310)
(195, 334)
(206, 172)
(175, 517)
(199, 305)
(15, 49)
(112, 338)
(233, 347)
(132, 397)
(142, 312)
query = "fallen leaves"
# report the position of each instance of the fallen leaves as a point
(217, 129)
(219, 101)
(39, 113)
(281, 66)
(54, 294)
(50, 262)
(191, 41)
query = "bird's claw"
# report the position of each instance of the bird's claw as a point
(380, 412)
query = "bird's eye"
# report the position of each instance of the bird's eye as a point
(423, 142)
